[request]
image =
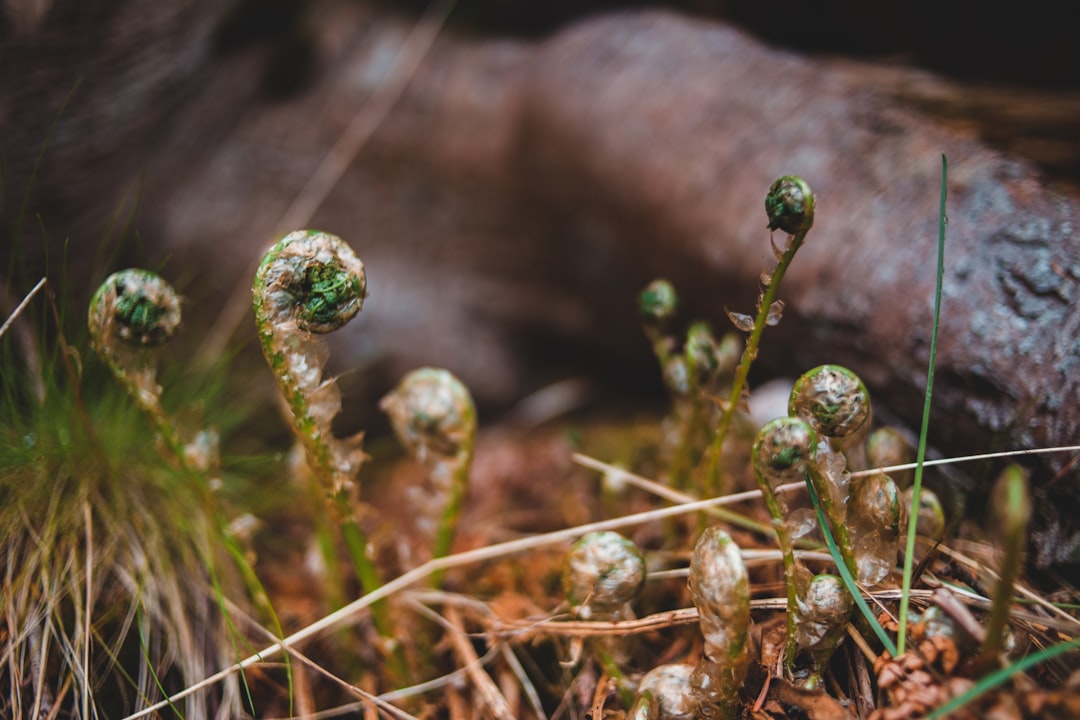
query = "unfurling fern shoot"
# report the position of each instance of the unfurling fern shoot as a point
(720, 589)
(832, 399)
(823, 616)
(1010, 505)
(434, 417)
(307, 284)
(310, 283)
(602, 572)
(836, 403)
(664, 694)
(132, 314)
(783, 450)
(789, 205)
(690, 374)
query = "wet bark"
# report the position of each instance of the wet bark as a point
(672, 131)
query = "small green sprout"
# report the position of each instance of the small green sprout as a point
(1010, 505)
(688, 375)
(658, 302)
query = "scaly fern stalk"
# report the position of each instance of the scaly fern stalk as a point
(783, 450)
(720, 590)
(835, 512)
(790, 207)
(307, 284)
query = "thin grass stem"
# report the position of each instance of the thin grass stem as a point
(913, 521)
(966, 458)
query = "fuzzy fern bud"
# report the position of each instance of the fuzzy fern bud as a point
(136, 307)
(434, 417)
(790, 205)
(664, 694)
(783, 449)
(658, 302)
(602, 572)
(931, 513)
(832, 399)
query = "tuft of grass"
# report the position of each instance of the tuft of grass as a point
(115, 562)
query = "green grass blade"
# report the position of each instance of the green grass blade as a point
(909, 548)
(845, 574)
(998, 677)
